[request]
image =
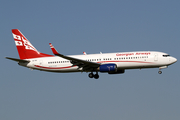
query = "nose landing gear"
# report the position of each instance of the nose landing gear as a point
(162, 67)
(160, 72)
(91, 75)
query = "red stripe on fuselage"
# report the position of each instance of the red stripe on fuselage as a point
(53, 67)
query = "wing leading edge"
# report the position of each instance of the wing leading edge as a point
(85, 65)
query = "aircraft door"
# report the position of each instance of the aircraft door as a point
(40, 62)
(155, 57)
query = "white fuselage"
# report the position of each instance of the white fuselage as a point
(111, 63)
(124, 60)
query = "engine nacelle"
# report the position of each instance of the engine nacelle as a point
(108, 68)
(117, 72)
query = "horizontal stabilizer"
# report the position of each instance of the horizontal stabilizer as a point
(17, 60)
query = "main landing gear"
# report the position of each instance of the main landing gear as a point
(91, 75)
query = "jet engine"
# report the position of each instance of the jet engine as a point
(108, 68)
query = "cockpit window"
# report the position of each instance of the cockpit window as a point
(166, 55)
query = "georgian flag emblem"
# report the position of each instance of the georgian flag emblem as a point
(18, 43)
(17, 37)
(28, 45)
(21, 41)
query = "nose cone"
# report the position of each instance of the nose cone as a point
(174, 60)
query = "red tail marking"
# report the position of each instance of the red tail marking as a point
(25, 49)
(53, 49)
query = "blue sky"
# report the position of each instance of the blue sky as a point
(90, 26)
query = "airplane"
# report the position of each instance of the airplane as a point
(111, 63)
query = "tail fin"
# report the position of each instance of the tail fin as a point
(25, 49)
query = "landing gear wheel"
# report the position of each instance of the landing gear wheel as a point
(160, 72)
(96, 76)
(91, 75)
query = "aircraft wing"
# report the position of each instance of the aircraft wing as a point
(86, 65)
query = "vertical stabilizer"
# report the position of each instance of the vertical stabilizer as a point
(25, 49)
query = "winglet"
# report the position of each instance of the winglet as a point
(53, 49)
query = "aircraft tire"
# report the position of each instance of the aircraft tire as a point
(160, 72)
(96, 76)
(91, 75)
